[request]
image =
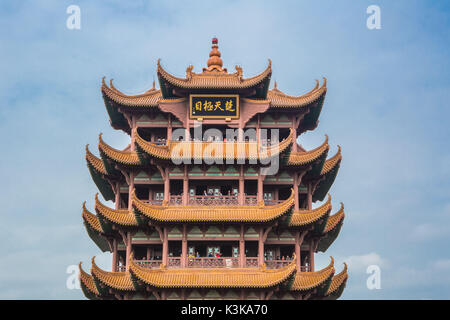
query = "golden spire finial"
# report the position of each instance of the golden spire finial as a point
(275, 85)
(214, 55)
(214, 61)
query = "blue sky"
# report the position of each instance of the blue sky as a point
(387, 106)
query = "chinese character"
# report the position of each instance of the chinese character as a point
(229, 105)
(217, 106)
(208, 106)
(198, 106)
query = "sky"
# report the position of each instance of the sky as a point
(387, 105)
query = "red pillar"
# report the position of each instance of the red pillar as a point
(309, 196)
(241, 186)
(311, 255)
(184, 247)
(165, 248)
(128, 252)
(294, 145)
(261, 247)
(117, 196)
(169, 129)
(260, 188)
(242, 248)
(130, 190)
(297, 250)
(296, 206)
(185, 187)
(114, 261)
(166, 185)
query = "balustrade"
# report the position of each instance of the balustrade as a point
(213, 262)
(177, 200)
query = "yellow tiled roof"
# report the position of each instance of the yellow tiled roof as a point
(282, 100)
(303, 158)
(121, 217)
(97, 163)
(309, 280)
(257, 214)
(332, 162)
(225, 150)
(212, 278)
(333, 220)
(148, 99)
(214, 79)
(306, 217)
(88, 281)
(116, 280)
(338, 280)
(91, 219)
(124, 157)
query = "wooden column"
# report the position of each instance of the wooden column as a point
(128, 252)
(299, 236)
(114, 259)
(166, 185)
(130, 190)
(294, 145)
(133, 138)
(260, 188)
(261, 247)
(311, 255)
(185, 187)
(258, 129)
(117, 196)
(297, 250)
(242, 248)
(296, 198)
(165, 248)
(241, 196)
(148, 253)
(169, 129)
(309, 196)
(184, 247)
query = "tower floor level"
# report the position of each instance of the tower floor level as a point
(213, 197)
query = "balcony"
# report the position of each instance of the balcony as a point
(177, 200)
(207, 262)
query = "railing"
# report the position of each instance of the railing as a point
(207, 262)
(251, 262)
(212, 262)
(305, 268)
(213, 200)
(177, 200)
(277, 264)
(149, 263)
(174, 262)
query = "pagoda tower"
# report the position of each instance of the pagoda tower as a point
(214, 198)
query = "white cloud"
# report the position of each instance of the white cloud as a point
(360, 263)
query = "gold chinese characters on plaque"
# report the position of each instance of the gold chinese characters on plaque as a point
(215, 106)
